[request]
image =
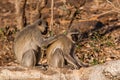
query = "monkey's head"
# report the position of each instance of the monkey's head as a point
(43, 26)
(75, 35)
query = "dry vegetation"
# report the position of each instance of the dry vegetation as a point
(98, 21)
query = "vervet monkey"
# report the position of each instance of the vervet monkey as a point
(63, 48)
(29, 41)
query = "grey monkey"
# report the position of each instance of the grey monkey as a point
(29, 42)
(63, 49)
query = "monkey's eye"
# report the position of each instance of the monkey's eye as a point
(46, 23)
(39, 23)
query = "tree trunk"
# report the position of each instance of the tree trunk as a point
(20, 13)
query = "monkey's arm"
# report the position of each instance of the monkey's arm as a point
(49, 41)
(45, 42)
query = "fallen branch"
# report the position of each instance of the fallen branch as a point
(108, 71)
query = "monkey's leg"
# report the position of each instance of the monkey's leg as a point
(72, 61)
(57, 59)
(29, 59)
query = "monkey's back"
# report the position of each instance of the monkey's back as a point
(63, 43)
(25, 41)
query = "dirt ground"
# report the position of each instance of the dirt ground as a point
(98, 22)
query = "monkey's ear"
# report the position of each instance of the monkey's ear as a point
(38, 22)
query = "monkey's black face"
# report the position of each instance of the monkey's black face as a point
(44, 27)
(45, 31)
(75, 37)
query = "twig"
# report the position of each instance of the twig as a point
(118, 3)
(51, 22)
(75, 13)
(106, 12)
(113, 5)
(72, 19)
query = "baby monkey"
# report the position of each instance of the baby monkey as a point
(29, 42)
(63, 49)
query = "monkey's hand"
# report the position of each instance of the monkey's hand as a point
(44, 48)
